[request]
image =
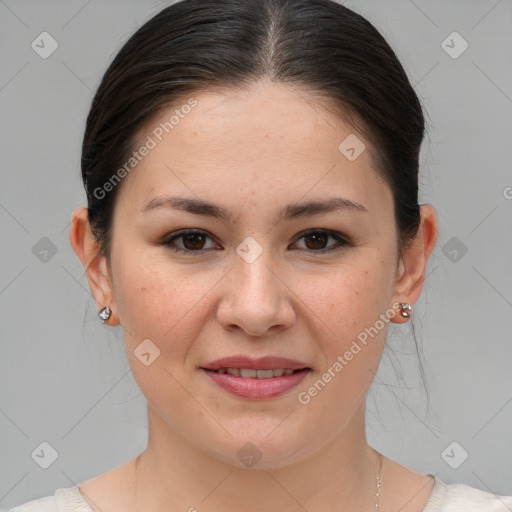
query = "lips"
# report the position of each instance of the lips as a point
(250, 373)
(262, 363)
(256, 379)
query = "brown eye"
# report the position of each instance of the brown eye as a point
(316, 240)
(191, 241)
(194, 241)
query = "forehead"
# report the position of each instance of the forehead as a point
(270, 143)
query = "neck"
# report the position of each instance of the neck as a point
(173, 474)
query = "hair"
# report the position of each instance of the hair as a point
(320, 46)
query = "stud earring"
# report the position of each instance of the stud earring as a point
(105, 313)
(405, 310)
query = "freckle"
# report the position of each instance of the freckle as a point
(143, 289)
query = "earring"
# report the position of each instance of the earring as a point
(105, 313)
(405, 310)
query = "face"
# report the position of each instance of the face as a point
(260, 275)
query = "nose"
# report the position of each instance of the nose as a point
(256, 297)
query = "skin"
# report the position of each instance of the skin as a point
(253, 152)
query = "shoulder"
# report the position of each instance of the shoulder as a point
(66, 498)
(456, 497)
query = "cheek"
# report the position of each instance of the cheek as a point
(346, 305)
(165, 303)
(169, 309)
(351, 296)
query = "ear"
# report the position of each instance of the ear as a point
(89, 252)
(412, 266)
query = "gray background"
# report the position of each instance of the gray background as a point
(64, 376)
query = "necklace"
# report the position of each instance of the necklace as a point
(377, 496)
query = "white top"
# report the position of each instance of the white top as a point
(443, 498)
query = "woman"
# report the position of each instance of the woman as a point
(253, 225)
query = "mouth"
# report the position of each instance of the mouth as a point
(252, 373)
(254, 383)
(256, 379)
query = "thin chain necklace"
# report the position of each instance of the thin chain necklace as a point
(377, 496)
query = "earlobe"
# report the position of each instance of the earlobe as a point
(412, 267)
(88, 251)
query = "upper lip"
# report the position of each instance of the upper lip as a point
(262, 363)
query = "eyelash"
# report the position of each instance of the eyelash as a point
(342, 242)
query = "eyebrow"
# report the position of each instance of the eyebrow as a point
(291, 211)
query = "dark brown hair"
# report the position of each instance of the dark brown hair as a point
(193, 45)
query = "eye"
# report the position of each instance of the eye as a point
(192, 240)
(318, 239)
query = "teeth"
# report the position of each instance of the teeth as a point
(250, 373)
(263, 374)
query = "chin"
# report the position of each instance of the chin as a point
(263, 450)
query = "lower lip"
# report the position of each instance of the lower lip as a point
(254, 388)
